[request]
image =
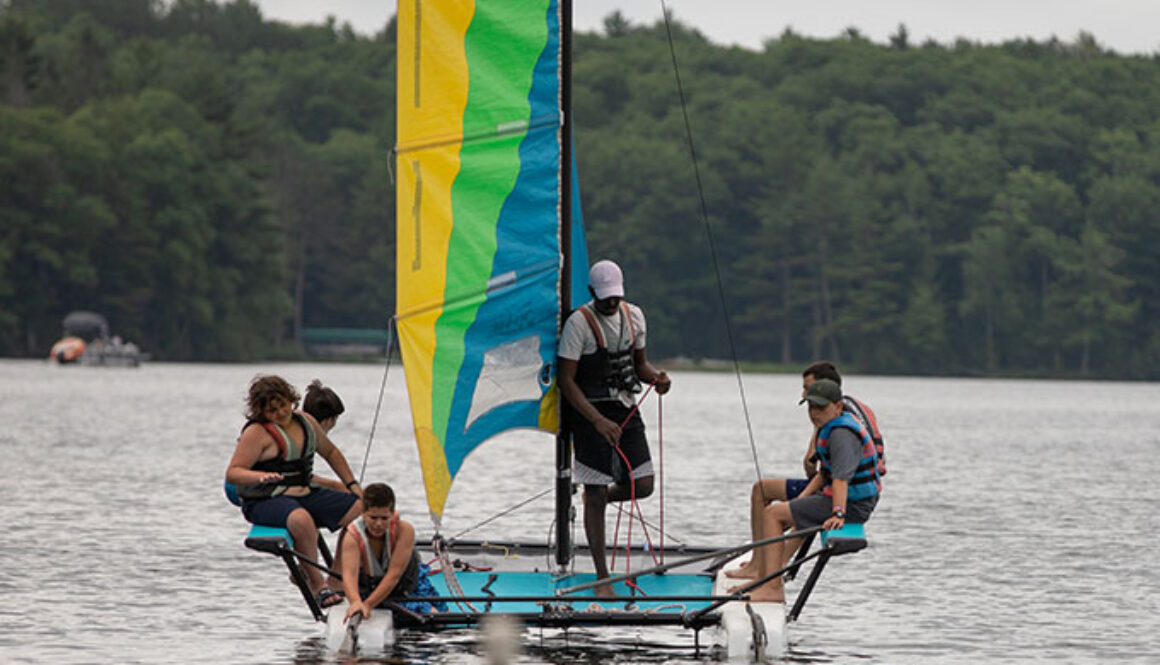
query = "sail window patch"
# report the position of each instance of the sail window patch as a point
(510, 373)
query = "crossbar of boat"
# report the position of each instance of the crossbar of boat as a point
(563, 617)
(557, 610)
(523, 548)
(723, 553)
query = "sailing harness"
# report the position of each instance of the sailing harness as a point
(295, 464)
(605, 373)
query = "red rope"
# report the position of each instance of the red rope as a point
(661, 470)
(633, 505)
(616, 537)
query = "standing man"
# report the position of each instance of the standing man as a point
(602, 364)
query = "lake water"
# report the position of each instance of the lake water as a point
(1020, 520)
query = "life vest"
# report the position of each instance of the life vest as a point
(865, 414)
(374, 569)
(865, 483)
(295, 464)
(604, 373)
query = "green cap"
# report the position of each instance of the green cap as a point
(822, 392)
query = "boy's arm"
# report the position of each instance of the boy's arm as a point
(330, 483)
(840, 488)
(251, 445)
(810, 461)
(400, 558)
(814, 486)
(351, 560)
(334, 457)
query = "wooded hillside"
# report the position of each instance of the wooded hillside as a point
(213, 182)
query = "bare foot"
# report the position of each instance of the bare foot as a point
(768, 593)
(604, 591)
(742, 573)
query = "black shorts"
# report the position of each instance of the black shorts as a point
(597, 462)
(326, 506)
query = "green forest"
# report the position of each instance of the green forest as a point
(214, 182)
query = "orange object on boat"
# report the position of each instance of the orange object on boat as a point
(67, 350)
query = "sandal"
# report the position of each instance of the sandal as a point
(329, 598)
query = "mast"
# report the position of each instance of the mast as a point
(563, 438)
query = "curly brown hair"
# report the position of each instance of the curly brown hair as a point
(264, 389)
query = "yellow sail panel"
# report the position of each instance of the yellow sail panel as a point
(432, 94)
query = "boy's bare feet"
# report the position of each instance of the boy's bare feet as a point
(745, 572)
(604, 591)
(768, 593)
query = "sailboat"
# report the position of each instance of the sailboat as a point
(491, 258)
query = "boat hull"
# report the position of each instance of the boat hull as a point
(748, 631)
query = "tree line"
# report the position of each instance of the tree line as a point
(214, 182)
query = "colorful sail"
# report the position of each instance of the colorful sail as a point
(479, 261)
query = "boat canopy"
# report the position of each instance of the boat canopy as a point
(84, 324)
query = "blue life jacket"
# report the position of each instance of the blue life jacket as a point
(866, 482)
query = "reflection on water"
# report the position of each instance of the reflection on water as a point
(1019, 522)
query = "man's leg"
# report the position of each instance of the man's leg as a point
(595, 500)
(623, 491)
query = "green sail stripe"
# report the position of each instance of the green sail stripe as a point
(500, 70)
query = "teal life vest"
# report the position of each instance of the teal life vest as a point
(866, 483)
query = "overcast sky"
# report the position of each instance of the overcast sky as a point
(1126, 26)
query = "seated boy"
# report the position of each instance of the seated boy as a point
(379, 561)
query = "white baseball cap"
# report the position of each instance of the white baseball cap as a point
(606, 280)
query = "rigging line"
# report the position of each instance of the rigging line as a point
(712, 247)
(382, 391)
(500, 514)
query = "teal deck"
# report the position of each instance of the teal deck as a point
(528, 585)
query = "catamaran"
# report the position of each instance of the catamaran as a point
(491, 258)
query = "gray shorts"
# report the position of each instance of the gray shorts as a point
(815, 509)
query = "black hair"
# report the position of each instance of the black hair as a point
(378, 495)
(819, 370)
(322, 402)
